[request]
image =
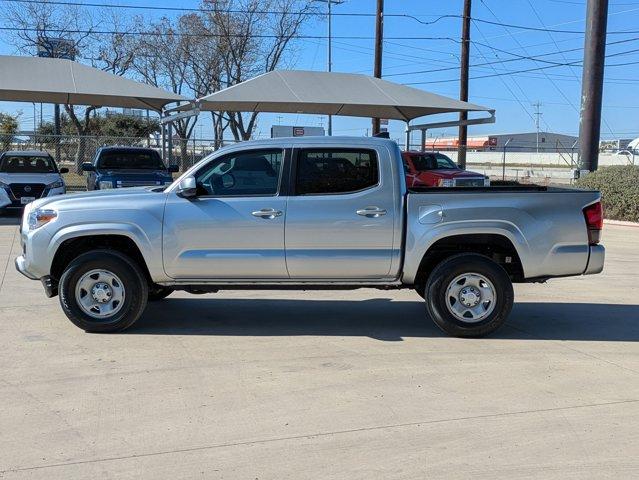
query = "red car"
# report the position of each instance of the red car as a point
(433, 169)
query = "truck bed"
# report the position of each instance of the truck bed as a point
(546, 225)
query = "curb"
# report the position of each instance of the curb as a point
(621, 223)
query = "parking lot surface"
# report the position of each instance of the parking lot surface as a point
(360, 384)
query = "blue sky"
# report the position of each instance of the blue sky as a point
(558, 89)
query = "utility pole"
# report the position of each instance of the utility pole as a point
(463, 84)
(592, 85)
(379, 42)
(329, 56)
(537, 114)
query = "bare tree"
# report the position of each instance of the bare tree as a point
(39, 27)
(54, 30)
(253, 36)
(205, 66)
(162, 60)
(113, 52)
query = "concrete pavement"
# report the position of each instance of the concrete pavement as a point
(359, 384)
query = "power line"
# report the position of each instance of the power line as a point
(571, 69)
(505, 83)
(299, 12)
(502, 99)
(519, 57)
(214, 35)
(576, 64)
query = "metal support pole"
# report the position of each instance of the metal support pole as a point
(423, 145)
(407, 144)
(163, 140)
(330, 59)
(34, 123)
(148, 135)
(379, 35)
(56, 130)
(463, 84)
(592, 84)
(503, 163)
(170, 142)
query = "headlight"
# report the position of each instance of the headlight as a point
(3, 185)
(105, 185)
(486, 182)
(447, 182)
(40, 217)
(56, 184)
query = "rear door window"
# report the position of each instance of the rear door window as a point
(333, 171)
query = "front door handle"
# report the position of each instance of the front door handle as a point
(267, 213)
(373, 212)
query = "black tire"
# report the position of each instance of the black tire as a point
(128, 272)
(445, 273)
(157, 292)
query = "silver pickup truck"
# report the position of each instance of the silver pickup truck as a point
(307, 213)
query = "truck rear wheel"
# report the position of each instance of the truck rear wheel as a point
(103, 291)
(468, 295)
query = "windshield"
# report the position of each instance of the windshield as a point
(130, 159)
(27, 164)
(432, 161)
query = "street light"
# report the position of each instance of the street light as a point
(329, 4)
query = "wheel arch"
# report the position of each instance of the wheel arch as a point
(496, 246)
(66, 246)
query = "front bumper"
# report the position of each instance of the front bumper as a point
(50, 285)
(21, 266)
(596, 259)
(16, 203)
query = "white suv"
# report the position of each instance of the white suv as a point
(28, 175)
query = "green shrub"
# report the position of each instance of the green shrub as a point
(619, 187)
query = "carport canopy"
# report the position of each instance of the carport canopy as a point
(330, 93)
(55, 80)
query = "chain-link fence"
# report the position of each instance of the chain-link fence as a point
(521, 162)
(71, 151)
(525, 164)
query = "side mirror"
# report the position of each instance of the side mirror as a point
(88, 167)
(173, 168)
(64, 170)
(187, 188)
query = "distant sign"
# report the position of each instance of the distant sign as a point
(383, 121)
(56, 48)
(291, 131)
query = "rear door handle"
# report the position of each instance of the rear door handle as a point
(267, 213)
(373, 212)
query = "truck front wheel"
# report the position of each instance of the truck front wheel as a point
(103, 291)
(468, 295)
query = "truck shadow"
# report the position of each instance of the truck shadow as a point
(378, 318)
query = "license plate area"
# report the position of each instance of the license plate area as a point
(25, 200)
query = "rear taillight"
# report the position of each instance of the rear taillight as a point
(594, 222)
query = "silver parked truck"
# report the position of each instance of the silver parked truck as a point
(307, 213)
